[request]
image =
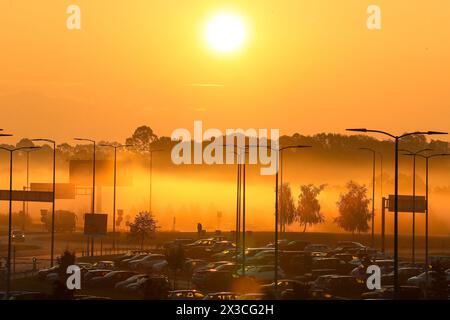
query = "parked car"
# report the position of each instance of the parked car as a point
(160, 267)
(125, 262)
(176, 242)
(104, 265)
(261, 258)
(296, 245)
(221, 296)
(89, 297)
(444, 261)
(121, 285)
(320, 282)
(201, 243)
(146, 263)
(317, 248)
(228, 254)
(338, 286)
(219, 246)
(211, 265)
(281, 244)
(110, 279)
(282, 284)
(230, 267)
(251, 296)
(94, 273)
(30, 296)
(185, 295)
(192, 265)
(387, 292)
(421, 279)
(404, 274)
(264, 273)
(42, 274)
(324, 266)
(136, 286)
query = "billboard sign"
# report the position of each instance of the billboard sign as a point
(80, 173)
(20, 195)
(95, 224)
(62, 190)
(405, 203)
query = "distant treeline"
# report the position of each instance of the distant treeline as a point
(325, 146)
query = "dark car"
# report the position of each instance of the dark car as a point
(110, 279)
(95, 273)
(283, 284)
(29, 296)
(176, 242)
(219, 246)
(42, 274)
(403, 275)
(221, 296)
(185, 295)
(125, 262)
(337, 286)
(405, 293)
(296, 245)
(324, 266)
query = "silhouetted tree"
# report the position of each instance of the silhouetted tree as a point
(24, 143)
(142, 138)
(353, 209)
(308, 208)
(286, 207)
(143, 227)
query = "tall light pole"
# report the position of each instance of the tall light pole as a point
(279, 151)
(150, 151)
(8, 269)
(373, 193)
(238, 209)
(414, 155)
(240, 199)
(93, 185)
(115, 182)
(397, 138)
(427, 158)
(52, 245)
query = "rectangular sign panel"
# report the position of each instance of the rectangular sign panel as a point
(63, 190)
(80, 173)
(19, 195)
(405, 203)
(95, 224)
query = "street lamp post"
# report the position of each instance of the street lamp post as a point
(373, 193)
(8, 269)
(238, 210)
(427, 158)
(414, 155)
(52, 246)
(397, 139)
(93, 185)
(240, 188)
(115, 147)
(279, 152)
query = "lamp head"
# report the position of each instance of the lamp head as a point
(357, 129)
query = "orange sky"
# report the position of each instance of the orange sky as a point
(307, 66)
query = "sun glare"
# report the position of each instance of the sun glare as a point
(225, 33)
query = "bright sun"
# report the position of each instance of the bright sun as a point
(225, 32)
